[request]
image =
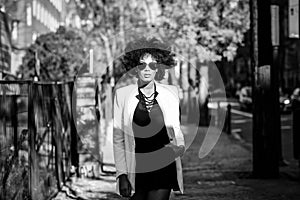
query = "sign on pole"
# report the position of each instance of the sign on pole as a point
(275, 25)
(294, 18)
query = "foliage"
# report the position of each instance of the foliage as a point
(55, 56)
(109, 25)
(198, 30)
(14, 174)
(216, 25)
(8, 5)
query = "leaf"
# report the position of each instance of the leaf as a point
(60, 55)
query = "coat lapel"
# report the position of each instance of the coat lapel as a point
(132, 103)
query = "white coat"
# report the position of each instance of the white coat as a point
(125, 102)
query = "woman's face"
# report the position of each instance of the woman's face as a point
(146, 70)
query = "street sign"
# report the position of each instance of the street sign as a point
(275, 24)
(85, 91)
(264, 76)
(294, 18)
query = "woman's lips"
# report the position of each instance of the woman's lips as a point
(147, 75)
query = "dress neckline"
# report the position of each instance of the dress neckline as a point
(146, 102)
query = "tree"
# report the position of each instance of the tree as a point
(216, 25)
(55, 56)
(198, 30)
(110, 24)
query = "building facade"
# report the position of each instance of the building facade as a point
(31, 18)
(290, 44)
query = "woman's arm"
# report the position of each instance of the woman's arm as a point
(177, 128)
(118, 137)
(179, 148)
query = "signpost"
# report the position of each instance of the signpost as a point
(266, 134)
(294, 18)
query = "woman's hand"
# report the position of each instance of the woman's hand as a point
(178, 150)
(125, 187)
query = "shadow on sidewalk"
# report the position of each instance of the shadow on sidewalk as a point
(224, 174)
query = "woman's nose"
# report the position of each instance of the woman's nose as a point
(147, 67)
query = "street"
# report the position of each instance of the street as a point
(242, 126)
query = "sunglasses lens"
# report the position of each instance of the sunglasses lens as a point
(142, 66)
(152, 66)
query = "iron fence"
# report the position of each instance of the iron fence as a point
(38, 139)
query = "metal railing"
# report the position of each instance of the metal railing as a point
(38, 138)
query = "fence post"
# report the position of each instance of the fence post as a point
(34, 173)
(228, 119)
(57, 120)
(74, 136)
(14, 120)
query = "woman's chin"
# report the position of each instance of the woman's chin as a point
(146, 80)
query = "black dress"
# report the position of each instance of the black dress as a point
(155, 164)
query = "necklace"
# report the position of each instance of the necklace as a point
(149, 101)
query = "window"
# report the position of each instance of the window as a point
(51, 23)
(42, 14)
(28, 15)
(48, 18)
(38, 11)
(34, 8)
(15, 31)
(59, 6)
(34, 36)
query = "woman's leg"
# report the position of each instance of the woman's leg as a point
(160, 194)
(139, 195)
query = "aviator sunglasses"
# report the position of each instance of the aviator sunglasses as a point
(152, 66)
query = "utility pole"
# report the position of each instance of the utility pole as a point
(266, 135)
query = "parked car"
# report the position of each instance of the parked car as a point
(285, 103)
(295, 98)
(296, 95)
(245, 99)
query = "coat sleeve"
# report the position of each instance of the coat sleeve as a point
(118, 136)
(177, 129)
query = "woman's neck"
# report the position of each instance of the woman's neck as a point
(146, 88)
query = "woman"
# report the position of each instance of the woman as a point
(148, 141)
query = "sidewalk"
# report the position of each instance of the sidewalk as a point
(224, 174)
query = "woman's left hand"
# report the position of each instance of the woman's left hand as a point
(178, 150)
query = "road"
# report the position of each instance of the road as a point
(242, 125)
